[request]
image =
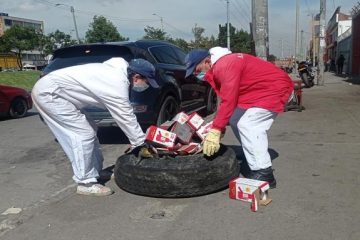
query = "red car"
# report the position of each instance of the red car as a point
(14, 102)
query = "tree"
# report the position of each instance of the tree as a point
(181, 43)
(240, 41)
(19, 39)
(154, 33)
(102, 30)
(56, 40)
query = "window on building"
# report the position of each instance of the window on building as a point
(8, 22)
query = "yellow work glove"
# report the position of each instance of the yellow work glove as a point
(211, 143)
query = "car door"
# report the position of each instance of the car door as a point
(171, 60)
(4, 103)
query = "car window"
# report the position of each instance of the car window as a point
(86, 54)
(165, 54)
(181, 55)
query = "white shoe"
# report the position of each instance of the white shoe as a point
(93, 189)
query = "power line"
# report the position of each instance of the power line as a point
(245, 13)
(95, 13)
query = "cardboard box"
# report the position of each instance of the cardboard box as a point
(203, 130)
(167, 125)
(183, 132)
(195, 121)
(181, 118)
(190, 148)
(160, 137)
(250, 190)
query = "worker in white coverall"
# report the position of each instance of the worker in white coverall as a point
(60, 95)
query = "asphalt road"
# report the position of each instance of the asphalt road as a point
(315, 154)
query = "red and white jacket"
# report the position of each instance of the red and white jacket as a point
(245, 81)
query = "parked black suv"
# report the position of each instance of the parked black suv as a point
(154, 105)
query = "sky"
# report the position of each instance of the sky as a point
(178, 16)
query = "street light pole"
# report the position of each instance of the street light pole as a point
(227, 25)
(161, 20)
(75, 25)
(72, 10)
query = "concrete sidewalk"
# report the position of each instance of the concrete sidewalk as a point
(316, 159)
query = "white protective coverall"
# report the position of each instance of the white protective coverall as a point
(59, 98)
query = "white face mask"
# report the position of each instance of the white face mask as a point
(140, 87)
(201, 76)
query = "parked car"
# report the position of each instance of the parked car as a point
(14, 102)
(154, 105)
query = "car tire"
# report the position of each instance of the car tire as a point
(169, 108)
(212, 102)
(18, 108)
(174, 177)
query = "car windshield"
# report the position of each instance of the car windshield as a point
(86, 54)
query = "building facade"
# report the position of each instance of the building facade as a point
(338, 25)
(355, 50)
(33, 57)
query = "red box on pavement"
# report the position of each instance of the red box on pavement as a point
(250, 190)
(160, 137)
(195, 121)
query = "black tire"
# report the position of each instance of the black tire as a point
(306, 79)
(18, 108)
(174, 177)
(212, 102)
(169, 108)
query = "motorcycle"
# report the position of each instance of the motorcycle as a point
(307, 73)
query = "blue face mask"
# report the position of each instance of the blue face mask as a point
(201, 76)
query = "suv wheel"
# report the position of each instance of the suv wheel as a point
(212, 102)
(169, 108)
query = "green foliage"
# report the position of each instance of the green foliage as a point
(23, 79)
(154, 33)
(102, 30)
(180, 43)
(56, 40)
(19, 39)
(272, 58)
(240, 41)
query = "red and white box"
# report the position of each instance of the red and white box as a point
(160, 136)
(183, 132)
(203, 130)
(167, 125)
(195, 121)
(250, 190)
(190, 148)
(181, 118)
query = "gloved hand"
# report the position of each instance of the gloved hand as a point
(143, 151)
(211, 143)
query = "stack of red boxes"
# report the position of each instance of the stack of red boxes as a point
(181, 135)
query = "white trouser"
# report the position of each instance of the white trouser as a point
(72, 130)
(250, 127)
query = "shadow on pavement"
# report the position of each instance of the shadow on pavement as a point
(29, 114)
(353, 80)
(111, 135)
(242, 160)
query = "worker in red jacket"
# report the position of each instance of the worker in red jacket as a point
(252, 93)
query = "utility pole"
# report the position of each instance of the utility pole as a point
(321, 42)
(72, 10)
(161, 21)
(260, 28)
(313, 39)
(297, 31)
(228, 24)
(301, 45)
(282, 48)
(76, 30)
